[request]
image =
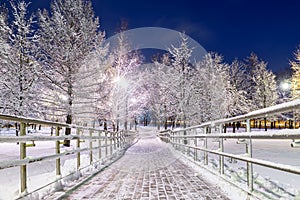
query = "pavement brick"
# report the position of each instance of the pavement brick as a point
(148, 170)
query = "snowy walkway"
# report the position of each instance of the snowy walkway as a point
(148, 170)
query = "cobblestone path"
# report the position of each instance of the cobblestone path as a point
(148, 170)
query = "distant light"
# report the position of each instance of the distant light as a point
(116, 79)
(121, 81)
(64, 98)
(285, 86)
(133, 100)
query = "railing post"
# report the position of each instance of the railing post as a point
(23, 170)
(178, 141)
(126, 138)
(121, 139)
(182, 143)
(78, 148)
(188, 142)
(99, 145)
(91, 147)
(172, 134)
(175, 140)
(105, 142)
(111, 142)
(115, 140)
(221, 149)
(205, 147)
(57, 151)
(249, 152)
(118, 140)
(171, 138)
(196, 144)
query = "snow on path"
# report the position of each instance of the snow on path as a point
(148, 170)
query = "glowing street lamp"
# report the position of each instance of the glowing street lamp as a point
(285, 86)
(120, 81)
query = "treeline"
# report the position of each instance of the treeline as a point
(57, 65)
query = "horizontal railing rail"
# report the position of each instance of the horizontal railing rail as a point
(265, 112)
(193, 140)
(280, 134)
(100, 145)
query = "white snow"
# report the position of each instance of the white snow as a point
(275, 183)
(41, 173)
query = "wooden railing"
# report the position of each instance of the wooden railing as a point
(193, 142)
(101, 145)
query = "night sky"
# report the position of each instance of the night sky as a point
(233, 28)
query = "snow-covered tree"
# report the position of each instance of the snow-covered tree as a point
(266, 94)
(157, 91)
(193, 94)
(68, 35)
(214, 91)
(121, 75)
(4, 34)
(262, 90)
(295, 80)
(249, 65)
(238, 81)
(180, 75)
(19, 69)
(162, 89)
(156, 85)
(88, 86)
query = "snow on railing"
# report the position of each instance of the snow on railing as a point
(102, 145)
(188, 141)
(265, 112)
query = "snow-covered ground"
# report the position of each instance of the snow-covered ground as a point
(275, 184)
(278, 151)
(274, 150)
(42, 173)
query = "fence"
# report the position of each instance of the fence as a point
(101, 145)
(188, 141)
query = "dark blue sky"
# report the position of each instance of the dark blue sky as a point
(233, 28)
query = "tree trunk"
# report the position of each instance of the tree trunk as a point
(105, 125)
(184, 126)
(173, 124)
(265, 122)
(284, 124)
(290, 124)
(166, 124)
(114, 127)
(233, 127)
(272, 125)
(67, 143)
(126, 125)
(158, 125)
(17, 130)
